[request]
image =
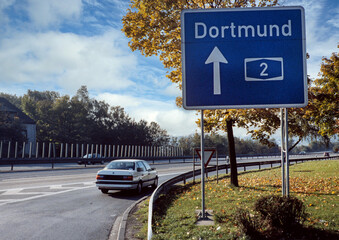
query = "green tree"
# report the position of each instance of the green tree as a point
(159, 136)
(14, 99)
(83, 119)
(10, 128)
(37, 105)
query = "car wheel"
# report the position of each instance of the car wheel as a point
(138, 190)
(155, 184)
(104, 191)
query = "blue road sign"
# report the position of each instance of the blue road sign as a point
(244, 58)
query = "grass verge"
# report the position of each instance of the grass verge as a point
(316, 184)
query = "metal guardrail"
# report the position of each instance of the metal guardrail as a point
(154, 160)
(25, 161)
(57, 160)
(164, 187)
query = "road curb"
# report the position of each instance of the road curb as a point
(122, 222)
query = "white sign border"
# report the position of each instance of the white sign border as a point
(213, 107)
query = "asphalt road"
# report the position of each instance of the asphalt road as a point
(63, 204)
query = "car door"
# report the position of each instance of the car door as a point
(151, 174)
(142, 174)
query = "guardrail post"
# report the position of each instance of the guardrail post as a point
(1, 149)
(244, 168)
(16, 150)
(92, 149)
(66, 150)
(43, 150)
(100, 150)
(61, 150)
(49, 150)
(54, 150)
(109, 150)
(82, 150)
(23, 150)
(259, 166)
(9, 150)
(72, 150)
(87, 149)
(30, 150)
(37, 150)
(77, 150)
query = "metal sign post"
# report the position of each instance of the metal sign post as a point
(203, 215)
(284, 152)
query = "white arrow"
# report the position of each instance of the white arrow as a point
(216, 58)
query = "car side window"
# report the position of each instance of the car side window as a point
(140, 165)
(148, 168)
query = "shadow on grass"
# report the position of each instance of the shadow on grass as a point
(315, 233)
(297, 233)
(166, 200)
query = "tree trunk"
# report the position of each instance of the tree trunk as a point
(233, 160)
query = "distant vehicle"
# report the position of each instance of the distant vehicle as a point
(326, 154)
(91, 159)
(126, 174)
(302, 153)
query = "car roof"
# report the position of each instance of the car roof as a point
(128, 160)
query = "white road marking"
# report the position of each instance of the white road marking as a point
(18, 194)
(64, 188)
(12, 191)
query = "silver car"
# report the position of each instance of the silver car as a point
(126, 174)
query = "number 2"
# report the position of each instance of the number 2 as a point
(263, 72)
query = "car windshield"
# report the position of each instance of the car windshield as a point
(121, 165)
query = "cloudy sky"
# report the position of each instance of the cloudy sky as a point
(60, 45)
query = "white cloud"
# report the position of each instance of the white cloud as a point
(321, 37)
(50, 12)
(67, 60)
(177, 122)
(172, 90)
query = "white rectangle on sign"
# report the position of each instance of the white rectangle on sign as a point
(264, 70)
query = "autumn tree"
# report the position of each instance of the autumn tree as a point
(154, 29)
(323, 109)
